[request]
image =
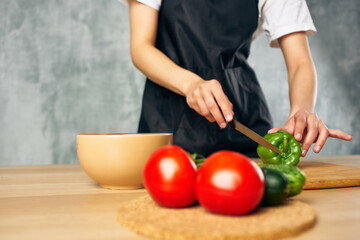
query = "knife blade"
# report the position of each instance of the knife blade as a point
(253, 135)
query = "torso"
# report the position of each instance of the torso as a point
(212, 39)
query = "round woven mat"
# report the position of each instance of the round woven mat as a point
(145, 217)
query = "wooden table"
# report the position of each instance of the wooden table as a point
(62, 202)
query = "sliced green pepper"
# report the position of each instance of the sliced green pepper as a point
(286, 143)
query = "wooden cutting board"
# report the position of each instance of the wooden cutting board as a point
(325, 175)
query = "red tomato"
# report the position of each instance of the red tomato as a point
(229, 183)
(169, 176)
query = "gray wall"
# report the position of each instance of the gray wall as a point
(65, 69)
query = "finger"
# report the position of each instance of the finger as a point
(193, 105)
(222, 100)
(192, 102)
(312, 133)
(213, 107)
(290, 126)
(335, 133)
(300, 123)
(275, 129)
(205, 111)
(323, 135)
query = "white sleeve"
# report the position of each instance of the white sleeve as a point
(151, 3)
(280, 17)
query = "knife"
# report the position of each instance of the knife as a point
(253, 135)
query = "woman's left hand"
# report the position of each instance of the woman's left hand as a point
(307, 128)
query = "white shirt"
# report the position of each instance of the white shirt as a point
(276, 18)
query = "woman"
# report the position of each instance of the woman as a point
(194, 54)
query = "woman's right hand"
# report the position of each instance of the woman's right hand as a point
(209, 100)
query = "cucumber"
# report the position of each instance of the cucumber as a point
(296, 178)
(276, 187)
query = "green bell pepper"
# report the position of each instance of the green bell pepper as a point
(197, 158)
(286, 143)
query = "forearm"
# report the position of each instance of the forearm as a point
(147, 58)
(162, 70)
(301, 72)
(302, 88)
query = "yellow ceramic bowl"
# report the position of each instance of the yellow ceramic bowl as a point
(116, 161)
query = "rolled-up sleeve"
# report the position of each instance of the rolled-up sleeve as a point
(281, 17)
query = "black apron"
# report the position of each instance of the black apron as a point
(212, 39)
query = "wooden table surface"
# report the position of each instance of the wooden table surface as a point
(62, 202)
